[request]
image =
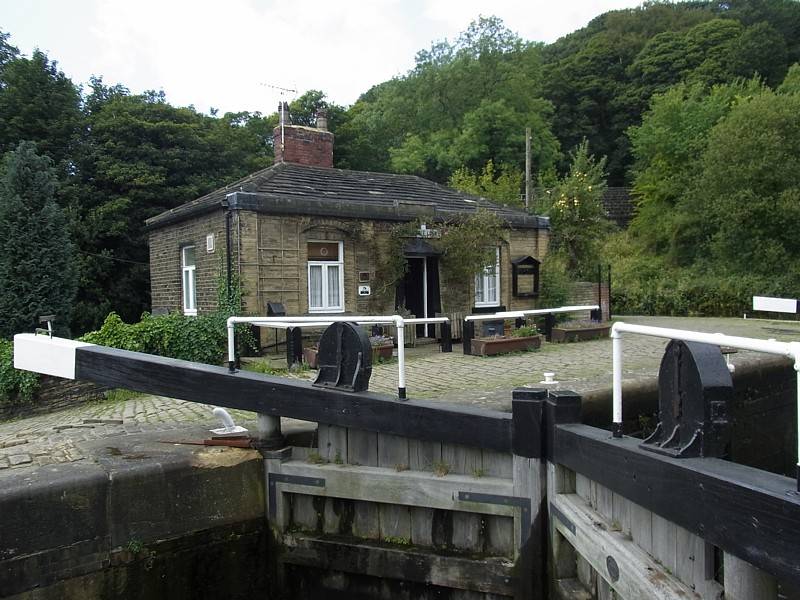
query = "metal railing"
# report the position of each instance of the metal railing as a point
(286, 322)
(788, 349)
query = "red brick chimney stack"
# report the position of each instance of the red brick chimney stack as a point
(303, 145)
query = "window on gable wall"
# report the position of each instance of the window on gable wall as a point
(188, 281)
(325, 277)
(487, 284)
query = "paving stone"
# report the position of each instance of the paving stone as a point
(19, 459)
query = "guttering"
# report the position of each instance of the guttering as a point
(286, 322)
(788, 349)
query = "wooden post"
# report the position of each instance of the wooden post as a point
(528, 185)
(467, 333)
(294, 346)
(530, 481)
(743, 581)
(549, 323)
(447, 337)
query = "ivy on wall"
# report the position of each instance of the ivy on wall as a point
(467, 245)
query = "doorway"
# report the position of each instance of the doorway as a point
(420, 291)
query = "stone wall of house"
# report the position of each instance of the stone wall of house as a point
(165, 261)
(271, 257)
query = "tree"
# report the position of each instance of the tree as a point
(501, 185)
(140, 156)
(39, 103)
(577, 219)
(36, 263)
(751, 188)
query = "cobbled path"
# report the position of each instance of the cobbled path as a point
(479, 381)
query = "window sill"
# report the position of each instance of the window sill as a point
(190, 313)
(325, 311)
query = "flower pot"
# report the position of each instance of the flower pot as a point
(580, 334)
(504, 345)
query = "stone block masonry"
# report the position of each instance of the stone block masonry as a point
(165, 261)
(136, 523)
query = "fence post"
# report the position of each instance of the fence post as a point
(530, 481)
(549, 323)
(467, 333)
(743, 581)
(294, 346)
(447, 337)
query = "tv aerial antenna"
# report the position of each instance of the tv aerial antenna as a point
(282, 113)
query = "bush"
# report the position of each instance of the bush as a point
(16, 387)
(199, 339)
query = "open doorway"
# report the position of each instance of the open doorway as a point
(419, 290)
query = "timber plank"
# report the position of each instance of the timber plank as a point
(278, 396)
(637, 574)
(408, 488)
(750, 513)
(487, 575)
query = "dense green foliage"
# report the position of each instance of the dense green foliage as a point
(459, 116)
(464, 103)
(199, 339)
(16, 387)
(36, 263)
(719, 201)
(576, 213)
(501, 185)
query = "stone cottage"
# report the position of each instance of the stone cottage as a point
(308, 236)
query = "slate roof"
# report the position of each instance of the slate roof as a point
(617, 204)
(288, 187)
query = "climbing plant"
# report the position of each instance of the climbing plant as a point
(467, 245)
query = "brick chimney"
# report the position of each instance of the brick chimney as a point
(311, 146)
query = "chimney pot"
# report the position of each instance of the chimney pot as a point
(322, 119)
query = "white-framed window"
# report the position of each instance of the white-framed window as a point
(210, 243)
(325, 277)
(487, 284)
(188, 281)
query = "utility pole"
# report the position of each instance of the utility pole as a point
(528, 187)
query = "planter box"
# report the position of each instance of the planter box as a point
(311, 358)
(580, 334)
(382, 352)
(310, 355)
(504, 345)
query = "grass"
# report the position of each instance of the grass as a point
(440, 468)
(121, 395)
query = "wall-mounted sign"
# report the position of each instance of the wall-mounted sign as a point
(364, 290)
(363, 276)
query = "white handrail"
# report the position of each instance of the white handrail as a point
(788, 349)
(524, 313)
(286, 322)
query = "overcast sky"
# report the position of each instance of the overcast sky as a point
(225, 54)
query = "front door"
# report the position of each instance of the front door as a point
(420, 291)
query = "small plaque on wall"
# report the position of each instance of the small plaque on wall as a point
(364, 290)
(363, 276)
